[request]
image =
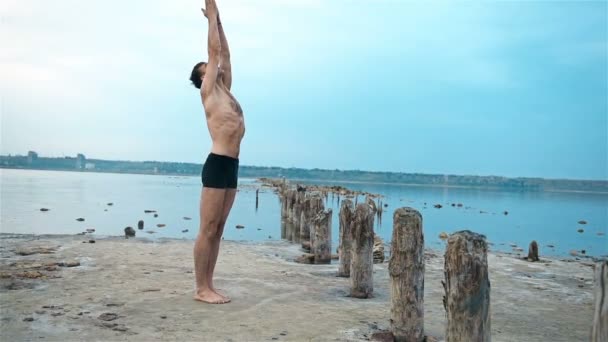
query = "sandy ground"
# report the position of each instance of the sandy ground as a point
(137, 290)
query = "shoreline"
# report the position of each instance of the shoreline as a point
(257, 178)
(141, 290)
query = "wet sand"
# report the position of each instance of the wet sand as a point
(138, 290)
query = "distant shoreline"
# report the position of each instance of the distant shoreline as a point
(313, 180)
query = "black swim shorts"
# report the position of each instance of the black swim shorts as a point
(220, 172)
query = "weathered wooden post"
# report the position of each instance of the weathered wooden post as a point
(406, 268)
(533, 251)
(599, 332)
(361, 267)
(321, 244)
(344, 250)
(300, 196)
(467, 288)
(257, 193)
(315, 206)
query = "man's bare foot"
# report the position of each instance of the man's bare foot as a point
(221, 293)
(211, 297)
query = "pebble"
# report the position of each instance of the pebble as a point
(580, 230)
(163, 317)
(185, 231)
(187, 218)
(582, 222)
(110, 203)
(44, 209)
(91, 241)
(108, 316)
(28, 319)
(239, 226)
(160, 225)
(80, 219)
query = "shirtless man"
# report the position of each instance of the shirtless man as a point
(219, 176)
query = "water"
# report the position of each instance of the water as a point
(551, 218)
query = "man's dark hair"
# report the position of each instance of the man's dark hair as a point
(195, 76)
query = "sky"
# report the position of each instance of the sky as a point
(511, 88)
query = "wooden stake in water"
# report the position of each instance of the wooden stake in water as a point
(406, 269)
(467, 288)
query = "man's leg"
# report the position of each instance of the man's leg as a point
(207, 241)
(227, 205)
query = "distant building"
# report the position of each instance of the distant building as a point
(80, 161)
(89, 166)
(32, 157)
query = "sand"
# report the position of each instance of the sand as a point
(139, 290)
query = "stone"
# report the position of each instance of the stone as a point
(91, 241)
(438, 206)
(155, 215)
(307, 258)
(239, 226)
(161, 225)
(187, 218)
(108, 316)
(129, 232)
(28, 319)
(140, 224)
(80, 219)
(581, 230)
(72, 263)
(147, 211)
(90, 230)
(506, 212)
(582, 222)
(110, 204)
(185, 231)
(443, 236)
(44, 209)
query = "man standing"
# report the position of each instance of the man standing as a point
(219, 176)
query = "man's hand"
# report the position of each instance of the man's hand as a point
(204, 13)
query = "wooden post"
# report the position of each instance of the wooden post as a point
(599, 331)
(321, 245)
(304, 224)
(344, 249)
(315, 206)
(533, 251)
(361, 268)
(257, 193)
(300, 196)
(467, 288)
(406, 268)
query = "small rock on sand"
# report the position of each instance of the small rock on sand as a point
(160, 225)
(108, 316)
(140, 224)
(28, 319)
(91, 241)
(443, 236)
(80, 219)
(71, 263)
(239, 226)
(581, 230)
(438, 206)
(582, 222)
(383, 336)
(155, 215)
(110, 204)
(187, 218)
(147, 211)
(44, 209)
(185, 231)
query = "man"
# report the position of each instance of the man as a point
(219, 176)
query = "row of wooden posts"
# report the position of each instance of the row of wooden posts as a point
(467, 285)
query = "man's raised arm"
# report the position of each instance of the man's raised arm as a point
(225, 55)
(214, 48)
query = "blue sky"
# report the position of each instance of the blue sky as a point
(488, 88)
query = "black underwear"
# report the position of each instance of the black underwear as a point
(220, 172)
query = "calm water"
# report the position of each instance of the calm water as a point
(550, 218)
